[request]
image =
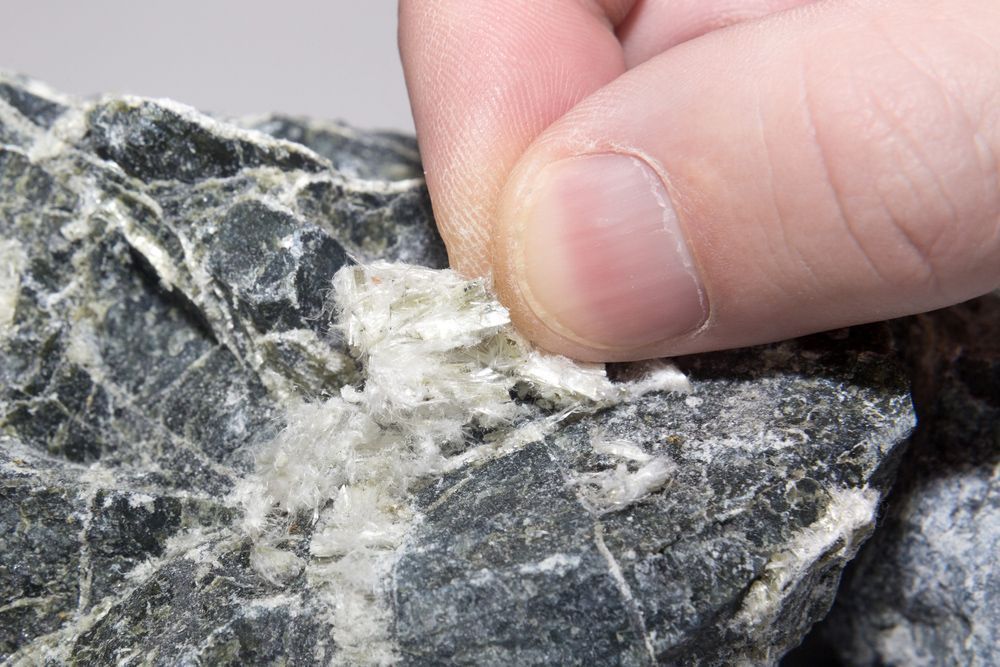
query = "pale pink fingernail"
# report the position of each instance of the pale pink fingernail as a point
(604, 259)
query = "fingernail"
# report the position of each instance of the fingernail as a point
(604, 260)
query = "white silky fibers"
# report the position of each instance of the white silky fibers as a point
(439, 356)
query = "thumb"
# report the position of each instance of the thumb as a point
(828, 166)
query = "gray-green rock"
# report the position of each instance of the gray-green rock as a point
(925, 590)
(164, 297)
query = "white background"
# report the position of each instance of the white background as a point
(322, 58)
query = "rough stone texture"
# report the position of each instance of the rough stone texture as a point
(764, 440)
(163, 296)
(359, 154)
(925, 590)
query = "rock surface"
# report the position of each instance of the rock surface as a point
(164, 297)
(925, 590)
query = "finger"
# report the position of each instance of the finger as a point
(485, 78)
(653, 26)
(831, 165)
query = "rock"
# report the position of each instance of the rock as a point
(925, 591)
(733, 561)
(163, 302)
(384, 155)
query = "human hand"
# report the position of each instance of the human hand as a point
(659, 177)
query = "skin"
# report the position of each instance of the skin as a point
(823, 163)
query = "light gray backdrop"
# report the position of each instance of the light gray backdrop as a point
(324, 58)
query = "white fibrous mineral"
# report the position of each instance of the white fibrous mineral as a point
(439, 356)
